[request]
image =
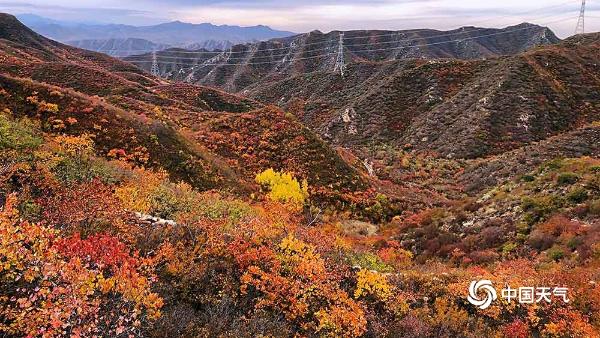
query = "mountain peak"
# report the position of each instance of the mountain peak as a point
(175, 23)
(174, 33)
(13, 30)
(6, 18)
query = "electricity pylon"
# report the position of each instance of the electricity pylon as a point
(340, 64)
(580, 29)
(155, 70)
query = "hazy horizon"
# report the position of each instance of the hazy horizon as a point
(326, 16)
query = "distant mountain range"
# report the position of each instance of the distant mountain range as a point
(464, 169)
(123, 40)
(133, 46)
(119, 47)
(249, 65)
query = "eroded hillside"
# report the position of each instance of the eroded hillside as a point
(135, 206)
(173, 126)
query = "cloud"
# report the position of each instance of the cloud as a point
(325, 15)
(89, 14)
(438, 14)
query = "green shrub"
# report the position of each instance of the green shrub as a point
(577, 195)
(527, 203)
(575, 242)
(508, 247)
(538, 207)
(71, 170)
(369, 261)
(528, 178)
(18, 135)
(219, 209)
(556, 254)
(567, 178)
(594, 207)
(523, 228)
(554, 164)
(30, 210)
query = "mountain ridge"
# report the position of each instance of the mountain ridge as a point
(173, 33)
(184, 129)
(463, 106)
(238, 68)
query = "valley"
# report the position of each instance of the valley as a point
(239, 197)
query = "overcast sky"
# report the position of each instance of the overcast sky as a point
(326, 15)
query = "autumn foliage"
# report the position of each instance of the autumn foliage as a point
(283, 187)
(94, 246)
(56, 286)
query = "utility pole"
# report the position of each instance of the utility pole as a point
(155, 70)
(580, 29)
(340, 64)
(190, 77)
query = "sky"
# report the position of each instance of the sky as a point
(326, 15)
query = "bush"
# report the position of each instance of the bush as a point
(17, 135)
(284, 188)
(508, 248)
(380, 209)
(152, 193)
(577, 195)
(594, 207)
(491, 237)
(483, 256)
(557, 228)
(69, 171)
(539, 207)
(541, 241)
(556, 254)
(69, 284)
(370, 262)
(555, 164)
(372, 284)
(567, 178)
(528, 178)
(217, 208)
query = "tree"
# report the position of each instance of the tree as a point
(283, 187)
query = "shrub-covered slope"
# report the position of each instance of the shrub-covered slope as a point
(172, 126)
(111, 222)
(457, 108)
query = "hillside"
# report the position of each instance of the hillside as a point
(134, 46)
(133, 206)
(118, 47)
(456, 108)
(244, 65)
(186, 129)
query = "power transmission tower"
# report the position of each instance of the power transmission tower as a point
(580, 29)
(340, 64)
(155, 70)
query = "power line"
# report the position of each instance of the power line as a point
(580, 28)
(346, 38)
(129, 58)
(155, 70)
(340, 65)
(318, 49)
(358, 51)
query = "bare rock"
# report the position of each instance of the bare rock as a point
(353, 227)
